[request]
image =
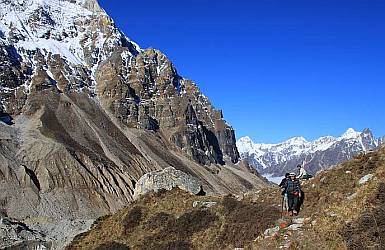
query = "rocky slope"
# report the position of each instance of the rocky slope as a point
(277, 159)
(85, 112)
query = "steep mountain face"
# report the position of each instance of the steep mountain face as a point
(146, 92)
(86, 112)
(322, 153)
(45, 46)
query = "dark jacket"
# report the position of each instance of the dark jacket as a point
(283, 183)
(292, 186)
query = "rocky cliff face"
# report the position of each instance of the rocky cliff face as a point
(277, 159)
(85, 112)
(46, 46)
(145, 91)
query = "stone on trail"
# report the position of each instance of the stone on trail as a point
(295, 227)
(365, 179)
(271, 231)
(298, 220)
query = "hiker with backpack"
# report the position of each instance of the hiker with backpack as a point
(293, 192)
(282, 185)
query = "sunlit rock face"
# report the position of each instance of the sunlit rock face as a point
(85, 112)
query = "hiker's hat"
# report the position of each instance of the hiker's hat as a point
(299, 166)
(292, 174)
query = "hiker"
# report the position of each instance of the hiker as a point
(302, 175)
(282, 185)
(301, 172)
(293, 191)
(283, 181)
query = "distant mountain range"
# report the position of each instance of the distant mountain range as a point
(277, 159)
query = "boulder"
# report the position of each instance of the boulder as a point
(167, 179)
(204, 204)
(271, 231)
(294, 227)
(365, 179)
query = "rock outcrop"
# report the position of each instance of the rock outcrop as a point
(19, 236)
(145, 91)
(167, 179)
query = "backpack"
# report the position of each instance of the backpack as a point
(307, 177)
(291, 186)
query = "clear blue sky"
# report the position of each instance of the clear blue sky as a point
(278, 69)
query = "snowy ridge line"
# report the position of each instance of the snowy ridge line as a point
(297, 144)
(298, 150)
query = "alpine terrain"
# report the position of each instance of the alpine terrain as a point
(85, 113)
(277, 159)
(344, 209)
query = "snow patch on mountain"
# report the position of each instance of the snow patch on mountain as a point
(350, 134)
(33, 20)
(51, 46)
(53, 27)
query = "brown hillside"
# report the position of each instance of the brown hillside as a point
(339, 213)
(168, 220)
(342, 213)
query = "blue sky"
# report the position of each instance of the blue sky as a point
(277, 69)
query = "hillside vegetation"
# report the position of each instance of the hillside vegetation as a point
(341, 211)
(169, 220)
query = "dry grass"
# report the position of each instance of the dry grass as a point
(244, 221)
(345, 215)
(333, 211)
(112, 245)
(167, 220)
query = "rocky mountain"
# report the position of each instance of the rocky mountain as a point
(85, 112)
(277, 159)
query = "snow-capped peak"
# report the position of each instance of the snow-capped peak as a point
(350, 134)
(245, 139)
(245, 144)
(296, 140)
(77, 30)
